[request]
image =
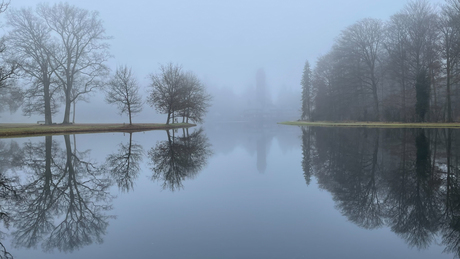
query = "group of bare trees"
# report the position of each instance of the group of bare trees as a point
(178, 94)
(404, 69)
(58, 52)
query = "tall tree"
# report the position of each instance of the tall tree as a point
(30, 48)
(397, 63)
(364, 42)
(325, 107)
(166, 90)
(422, 39)
(7, 71)
(306, 91)
(123, 90)
(80, 39)
(450, 41)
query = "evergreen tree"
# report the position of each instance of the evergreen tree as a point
(306, 92)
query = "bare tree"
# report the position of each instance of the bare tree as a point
(6, 71)
(364, 40)
(177, 93)
(80, 40)
(396, 46)
(325, 106)
(166, 87)
(123, 90)
(195, 101)
(450, 40)
(29, 47)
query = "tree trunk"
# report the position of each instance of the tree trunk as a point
(376, 103)
(48, 115)
(68, 93)
(169, 116)
(73, 114)
(67, 111)
(449, 106)
(403, 93)
(129, 114)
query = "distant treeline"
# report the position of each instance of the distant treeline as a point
(404, 69)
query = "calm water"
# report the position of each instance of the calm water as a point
(233, 191)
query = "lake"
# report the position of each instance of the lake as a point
(233, 191)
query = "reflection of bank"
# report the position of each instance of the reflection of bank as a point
(180, 157)
(64, 199)
(407, 179)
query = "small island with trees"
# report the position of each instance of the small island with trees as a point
(57, 54)
(403, 72)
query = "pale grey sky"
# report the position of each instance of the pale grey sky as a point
(223, 42)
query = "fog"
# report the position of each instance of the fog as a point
(224, 43)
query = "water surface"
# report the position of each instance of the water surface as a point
(233, 191)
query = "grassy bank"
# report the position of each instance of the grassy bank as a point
(8, 130)
(372, 124)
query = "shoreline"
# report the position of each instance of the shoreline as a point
(369, 124)
(10, 130)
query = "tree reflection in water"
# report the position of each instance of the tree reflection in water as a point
(179, 157)
(8, 189)
(407, 179)
(65, 198)
(124, 166)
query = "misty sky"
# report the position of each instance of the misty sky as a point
(223, 42)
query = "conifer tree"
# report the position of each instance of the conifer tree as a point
(306, 92)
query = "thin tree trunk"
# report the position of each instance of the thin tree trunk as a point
(129, 114)
(73, 114)
(48, 115)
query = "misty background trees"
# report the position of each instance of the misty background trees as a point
(404, 69)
